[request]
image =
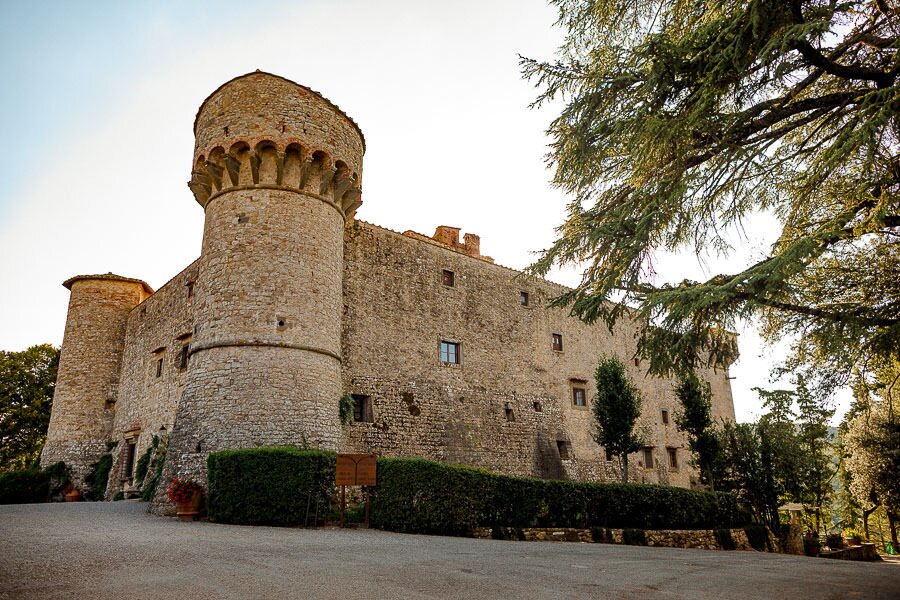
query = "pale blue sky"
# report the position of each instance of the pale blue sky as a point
(99, 98)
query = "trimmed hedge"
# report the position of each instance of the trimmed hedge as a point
(268, 486)
(32, 485)
(417, 495)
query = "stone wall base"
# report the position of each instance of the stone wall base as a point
(705, 539)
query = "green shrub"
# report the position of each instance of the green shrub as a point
(602, 535)
(97, 478)
(268, 486)
(140, 471)
(149, 488)
(634, 537)
(417, 495)
(24, 487)
(758, 537)
(724, 539)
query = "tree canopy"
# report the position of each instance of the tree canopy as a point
(616, 409)
(695, 420)
(681, 120)
(27, 381)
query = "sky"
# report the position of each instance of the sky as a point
(99, 103)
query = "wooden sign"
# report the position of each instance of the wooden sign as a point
(355, 469)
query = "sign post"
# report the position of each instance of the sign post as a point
(355, 469)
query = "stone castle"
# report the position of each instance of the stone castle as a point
(293, 303)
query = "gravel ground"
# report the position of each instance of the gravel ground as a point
(116, 550)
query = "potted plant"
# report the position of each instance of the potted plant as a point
(187, 495)
(73, 495)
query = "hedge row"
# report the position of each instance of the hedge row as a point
(32, 485)
(417, 495)
(269, 486)
(286, 486)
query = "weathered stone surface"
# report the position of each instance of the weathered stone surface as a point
(292, 303)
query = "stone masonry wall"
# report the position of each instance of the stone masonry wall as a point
(157, 330)
(397, 311)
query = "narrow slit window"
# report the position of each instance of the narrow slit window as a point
(508, 411)
(450, 353)
(159, 366)
(673, 458)
(665, 417)
(648, 458)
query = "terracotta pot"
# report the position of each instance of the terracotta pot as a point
(190, 510)
(74, 495)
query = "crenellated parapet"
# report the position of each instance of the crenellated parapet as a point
(289, 165)
(262, 131)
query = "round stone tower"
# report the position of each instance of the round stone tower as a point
(88, 378)
(277, 168)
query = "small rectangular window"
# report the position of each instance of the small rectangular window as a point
(637, 362)
(523, 298)
(181, 360)
(159, 365)
(563, 447)
(508, 411)
(673, 458)
(648, 458)
(665, 417)
(362, 409)
(190, 289)
(538, 407)
(557, 342)
(450, 353)
(448, 278)
(579, 396)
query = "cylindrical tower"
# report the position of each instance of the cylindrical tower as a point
(88, 378)
(277, 169)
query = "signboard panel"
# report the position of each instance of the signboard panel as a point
(355, 469)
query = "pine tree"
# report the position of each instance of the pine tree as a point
(616, 409)
(683, 118)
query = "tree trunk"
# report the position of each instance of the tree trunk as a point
(625, 467)
(892, 523)
(866, 514)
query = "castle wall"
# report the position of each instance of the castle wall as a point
(397, 311)
(149, 393)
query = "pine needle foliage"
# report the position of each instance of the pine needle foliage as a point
(682, 119)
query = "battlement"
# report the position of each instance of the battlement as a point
(264, 131)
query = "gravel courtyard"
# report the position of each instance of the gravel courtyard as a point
(116, 550)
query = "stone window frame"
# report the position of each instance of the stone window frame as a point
(456, 345)
(448, 278)
(158, 360)
(556, 342)
(579, 384)
(363, 408)
(665, 416)
(673, 458)
(649, 459)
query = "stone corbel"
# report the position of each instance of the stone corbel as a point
(215, 174)
(305, 168)
(199, 185)
(327, 179)
(233, 165)
(254, 167)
